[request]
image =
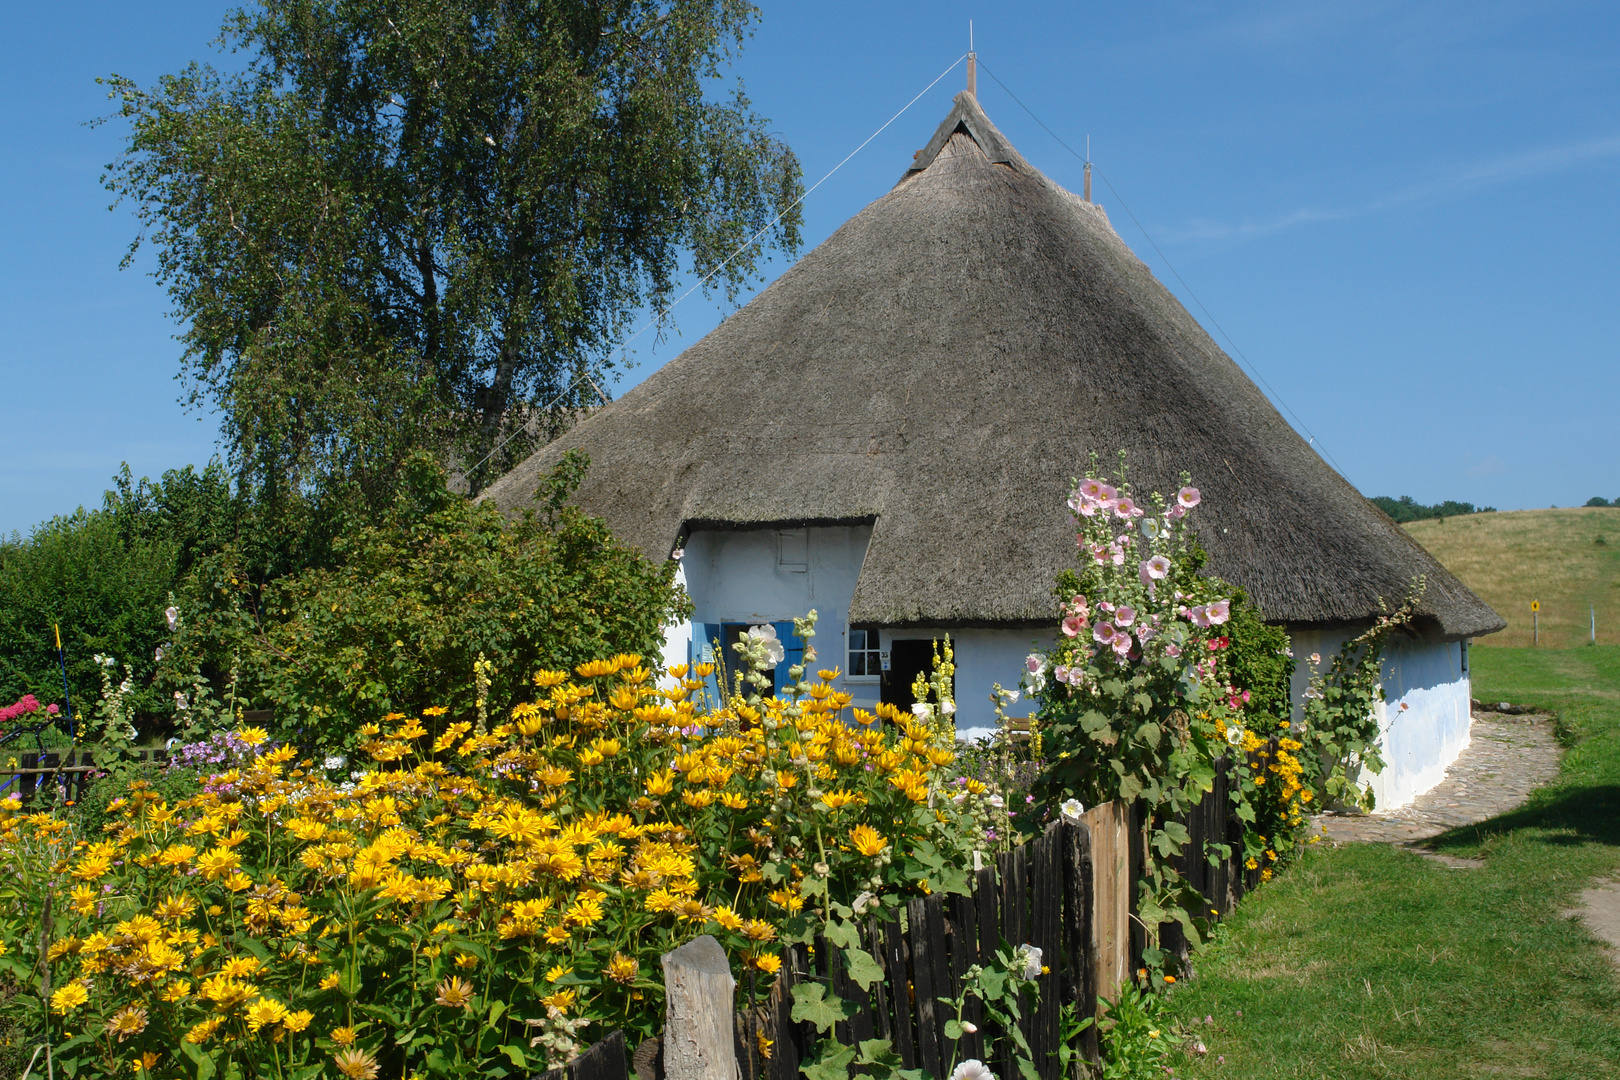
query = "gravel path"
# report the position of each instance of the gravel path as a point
(1508, 757)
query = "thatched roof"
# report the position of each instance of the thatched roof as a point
(941, 366)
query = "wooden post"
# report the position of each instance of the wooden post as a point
(699, 1006)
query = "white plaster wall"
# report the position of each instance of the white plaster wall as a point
(1420, 740)
(983, 658)
(739, 576)
(677, 636)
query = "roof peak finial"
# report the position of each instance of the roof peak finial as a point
(973, 64)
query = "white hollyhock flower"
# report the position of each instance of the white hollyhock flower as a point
(774, 650)
(1030, 956)
(972, 1069)
(1072, 809)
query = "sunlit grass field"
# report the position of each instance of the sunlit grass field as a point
(1568, 559)
(1366, 961)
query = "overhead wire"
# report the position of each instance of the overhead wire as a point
(1278, 398)
(744, 246)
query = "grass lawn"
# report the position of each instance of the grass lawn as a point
(1365, 961)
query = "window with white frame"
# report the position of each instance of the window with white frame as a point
(864, 660)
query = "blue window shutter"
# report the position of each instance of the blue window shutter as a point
(793, 647)
(711, 633)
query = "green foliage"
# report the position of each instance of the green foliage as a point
(168, 782)
(1133, 1036)
(412, 602)
(105, 576)
(1598, 500)
(412, 224)
(1405, 509)
(1259, 660)
(1339, 728)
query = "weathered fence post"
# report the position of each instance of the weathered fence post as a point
(699, 1006)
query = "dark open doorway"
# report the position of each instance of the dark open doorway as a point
(907, 659)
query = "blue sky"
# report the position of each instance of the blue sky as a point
(1406, 216)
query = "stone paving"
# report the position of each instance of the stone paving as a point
(1508, 757)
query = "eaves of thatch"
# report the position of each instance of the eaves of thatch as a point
(942, 366)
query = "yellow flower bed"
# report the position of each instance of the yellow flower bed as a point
(472, 899)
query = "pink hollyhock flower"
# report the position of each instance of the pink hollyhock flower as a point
(1156, 568)
(1125, 507)
(1175, 513)
(1122, 644)
(1145, 634)
(1219, 612)
(1105, 605)
(1199, 616)
(1061, 673)
(1092, 489)
(1104, 633)
(1106, 494)
(1117, 556)
(1124, 615)
(1172, 650)
(1087, 508)
(1188, 497)
(1079, 606)
(1033, 663)
(1073, 625)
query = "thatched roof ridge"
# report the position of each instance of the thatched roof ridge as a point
(941, 366)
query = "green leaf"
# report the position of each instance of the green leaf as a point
(1129, 787)
(811, 1005)
(516, 1055)
(845, 935)
(953, 1029)
(203, 1062)
(862, 968)
(878, 1052)
(1148, 733)
(833, 1064)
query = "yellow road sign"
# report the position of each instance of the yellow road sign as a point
(1535, 605)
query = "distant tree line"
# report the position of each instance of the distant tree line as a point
(1406, 509)
(1598, 500)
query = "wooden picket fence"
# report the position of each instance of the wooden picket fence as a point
(1067, 892)
(36, 775)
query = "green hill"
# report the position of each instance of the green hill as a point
(1567, 559)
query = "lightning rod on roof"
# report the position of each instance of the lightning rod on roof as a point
(1088, 168)
(972, 64)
